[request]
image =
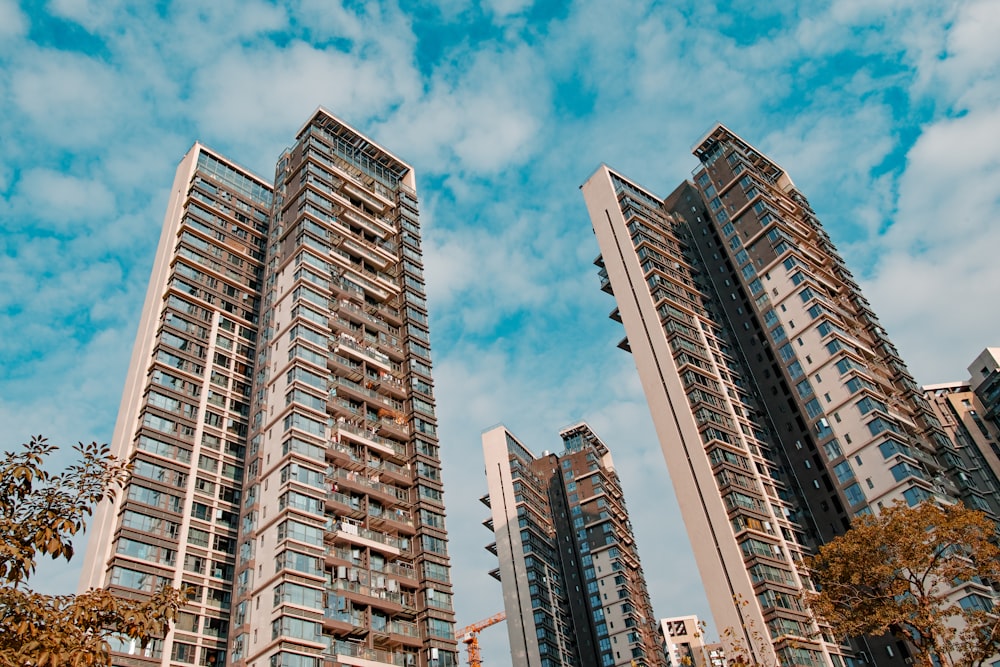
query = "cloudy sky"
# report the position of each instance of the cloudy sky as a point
(885, 112)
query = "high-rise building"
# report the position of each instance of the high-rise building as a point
(280, 417)
(985, 381)
(573, 589)
(974, 468)
(184, 414)
(782, 408)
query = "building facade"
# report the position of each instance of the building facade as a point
(683, 639)
(969, 412)
(782, 408)
(279, 408)
(573, 589)
(984, 380)
(184, 416)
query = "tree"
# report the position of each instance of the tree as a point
(899, 573)
(40, 512)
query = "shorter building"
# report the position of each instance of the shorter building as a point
(573, 588)
(969, 412)
(683, 640)
(985, 381)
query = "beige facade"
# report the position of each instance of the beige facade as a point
(292, 472)
(184, 412)
(720, 460)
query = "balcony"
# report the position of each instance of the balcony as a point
(393, 598)
(368, 352)
(355, 533)
(378, 228)
(404, 629)
(351, 653)
(365, 392)
(356, 190)
(369, 438)
(370, 482)
(359, 313)
(399, 516)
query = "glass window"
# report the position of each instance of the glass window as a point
(854, 494)
(843, 471)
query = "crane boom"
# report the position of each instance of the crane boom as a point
(469, 635)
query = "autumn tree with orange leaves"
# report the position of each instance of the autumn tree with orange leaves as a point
(898, 573)
(40, 513)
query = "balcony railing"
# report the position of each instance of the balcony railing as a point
(404, 600)
(368, 481)
(397, 448)
(375, 655)
(347, 527)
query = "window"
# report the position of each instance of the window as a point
(879, 424)
(902, 470)
(867, 404)
(891, 447)
(843, 471)
(976, 602)
(915, 496)
(182, 652)
(855, 496)
(832, 449)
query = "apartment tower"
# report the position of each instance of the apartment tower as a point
(964, 411)
(573, 589)
(279, 408)
(184, 415)
(782, 408)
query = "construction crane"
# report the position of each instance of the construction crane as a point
(469, 635)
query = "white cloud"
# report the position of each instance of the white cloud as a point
(60, 200)
(502, 9)
(480, 113)
(69, 100)
(967, 69)
(938, 265)
(90, 14)
(248, 98)
(13, 23)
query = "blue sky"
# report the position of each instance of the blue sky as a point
(885, 112)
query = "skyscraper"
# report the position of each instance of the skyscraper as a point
(573, 588)
(782, 408)
(280, 414)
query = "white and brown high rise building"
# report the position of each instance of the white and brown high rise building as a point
(279, 413)
(782, 408)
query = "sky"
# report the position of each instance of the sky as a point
(886, 114)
